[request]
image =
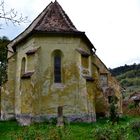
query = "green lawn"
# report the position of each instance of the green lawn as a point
(128, 128)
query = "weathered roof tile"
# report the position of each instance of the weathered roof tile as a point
(52, 19)
(83, 52)
(27, 75)
(55, 20)
(33, 51)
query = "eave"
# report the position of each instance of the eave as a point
(82, 35)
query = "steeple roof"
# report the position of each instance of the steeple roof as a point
(55, 19)
(52, 19)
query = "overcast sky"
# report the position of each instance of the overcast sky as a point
(113, 26)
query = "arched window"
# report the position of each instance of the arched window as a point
(57, 62)
(23, 65)
(57, 69)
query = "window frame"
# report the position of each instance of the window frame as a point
(57, 54)
(57, 69)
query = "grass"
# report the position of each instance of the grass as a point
(10, 130)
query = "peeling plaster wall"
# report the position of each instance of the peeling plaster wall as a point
(71, 92)
(8, 91)
(37, 97)
(113, 84)
(21, 53)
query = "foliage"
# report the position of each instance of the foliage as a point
(135, 127)
(3, 59)
(123, 69)
(130, 82)
(131, 105)
(110, 132)
(114, 117)
(129, 78)
(127, 75)
(103, 129)
(10, 15)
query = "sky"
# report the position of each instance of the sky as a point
(113, 26)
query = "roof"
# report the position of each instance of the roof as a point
(52, 19)
(55, 20)
(33, 51)
(83, 52)
(27, 75)
(135, 96)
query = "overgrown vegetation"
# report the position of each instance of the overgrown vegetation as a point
(3, 59)
(123, 69)
(129, 78)
(114, 117)
(128, 75)
(128, 128)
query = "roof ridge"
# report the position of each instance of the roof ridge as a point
(52, 19)
(45, 10)
(30, 27)
(65, 16)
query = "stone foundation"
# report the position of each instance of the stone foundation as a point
(27, 119)
(7, 116)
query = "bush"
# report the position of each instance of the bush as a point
(109, 132)
(59, 133)
(131, 106)
(135, 127)
(53, 121)
(114, 117)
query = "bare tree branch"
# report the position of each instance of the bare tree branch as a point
(11, 15)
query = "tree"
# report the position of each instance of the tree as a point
(3, 59)
(114, 117)
(10, 15)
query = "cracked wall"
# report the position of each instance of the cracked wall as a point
(37, 96)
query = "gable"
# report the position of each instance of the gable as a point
(52, 20)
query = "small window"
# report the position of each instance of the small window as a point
(110, 98)
(23, 65)
(103, 80)
(57, 69)
(85, 61)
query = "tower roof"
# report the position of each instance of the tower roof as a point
(55, 20)
(52, 19)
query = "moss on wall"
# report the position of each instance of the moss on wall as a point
(39, 95)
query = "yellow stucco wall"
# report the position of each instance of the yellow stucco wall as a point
(8, 91)
(112, 84)
(39, 95)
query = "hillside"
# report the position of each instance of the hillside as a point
(129, 78)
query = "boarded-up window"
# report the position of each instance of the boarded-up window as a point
(57, 69)
(85, 61)
(103, 80)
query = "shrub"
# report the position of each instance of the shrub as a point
(53, 121)
(135, 127)
(114, 117)
(59, 133)
(109, 132)
(131, 106)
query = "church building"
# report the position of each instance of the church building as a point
(53, 71)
